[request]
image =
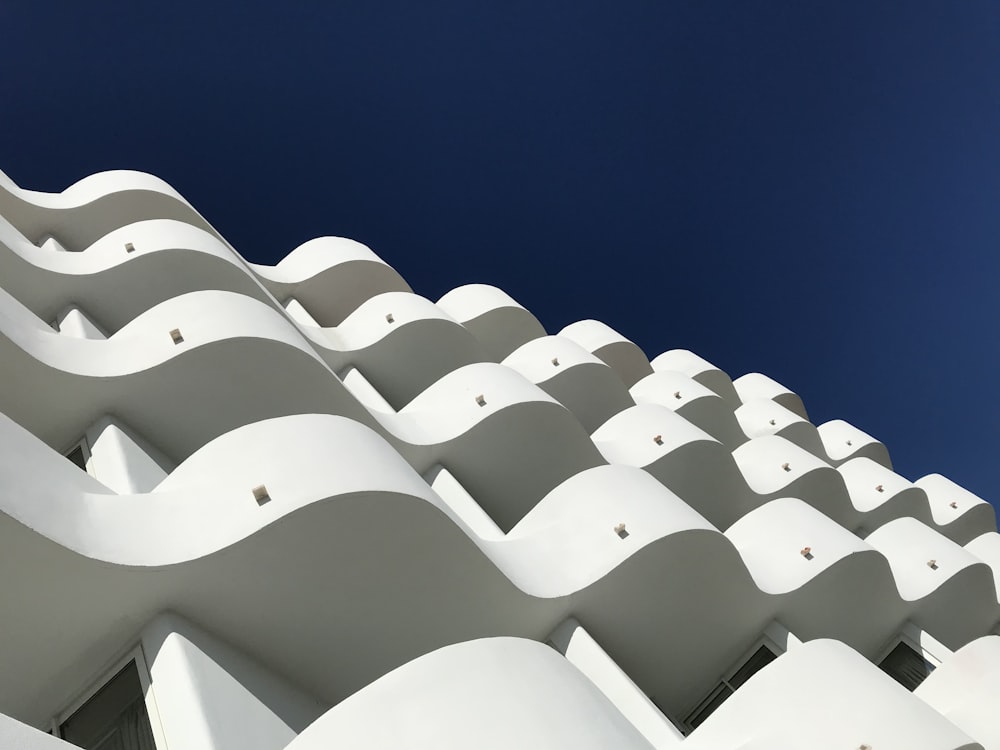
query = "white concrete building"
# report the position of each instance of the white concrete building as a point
(305, 508)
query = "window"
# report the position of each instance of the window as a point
(912, 655)
(114, 715)
(79, 454)
(762, 655)
(114, 718)
(906, 665)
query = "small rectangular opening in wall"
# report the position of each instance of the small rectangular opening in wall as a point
(260, 494)
(129, 247)
(175, 336)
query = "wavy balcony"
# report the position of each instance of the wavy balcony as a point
(605, 343)
(401, 342)
(574, 377)
(331, 277)
(94, 206)
(124, 273)
(493, 316)
(688, 363)
(696, 402)
(964, 690)
(337, 473)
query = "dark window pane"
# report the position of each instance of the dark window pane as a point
(906, 666)
(114, 718)
(760, 659)
(76, 456)
(716, 699)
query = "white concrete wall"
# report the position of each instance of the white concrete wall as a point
(672, 595)
(488, 694)
(299, 314)
(364, 391)
(822, 696)
(451, 491)
(123, 461)
(17, 736)
(74, 322)
(210, 696)
(584, 653)
(966, 690)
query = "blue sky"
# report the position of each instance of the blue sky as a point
(803, 189)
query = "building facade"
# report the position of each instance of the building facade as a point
(252, 507)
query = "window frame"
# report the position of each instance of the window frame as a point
(764, 640)
(134, 654)
(84, 446)
(920, 641)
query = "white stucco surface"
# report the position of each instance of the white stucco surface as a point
(209, 696)
(378, 508)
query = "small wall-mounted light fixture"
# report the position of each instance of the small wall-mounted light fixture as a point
(555, 361)
(807, 553)
(481, 400)
(879, 488)
(953, 504)
(658, 439)
(932, 564)
(786, 466)
(175, 336)
(620, 530)
(771, 422)
(260, 494)
(677, 394)
(389, 318)
(129, 247)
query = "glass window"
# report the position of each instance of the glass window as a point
(714, 700)
(760, 659)
(78, 457)
(114, 718)
(747, 669)
(906, 666)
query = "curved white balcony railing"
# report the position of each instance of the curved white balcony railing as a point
(602, 483)
(90, 208)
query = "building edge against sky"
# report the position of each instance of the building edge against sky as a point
(306, 507)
